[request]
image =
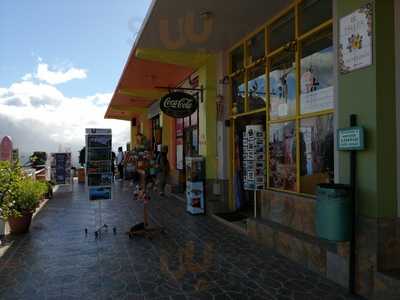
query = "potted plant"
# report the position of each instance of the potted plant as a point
(20, 196)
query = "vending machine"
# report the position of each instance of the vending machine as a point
(195, 180)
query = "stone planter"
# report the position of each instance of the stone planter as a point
(19, 225)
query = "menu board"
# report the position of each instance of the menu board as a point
(98, 163)
(61, 168)
(254, 157)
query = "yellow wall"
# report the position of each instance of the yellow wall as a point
(208, 117)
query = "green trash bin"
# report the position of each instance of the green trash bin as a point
(334, 212)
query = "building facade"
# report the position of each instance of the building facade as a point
(290, 73)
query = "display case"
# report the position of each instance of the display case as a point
(98, 163)
(195, 177)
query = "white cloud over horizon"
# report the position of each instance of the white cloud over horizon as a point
(39, 115)
(54, 76)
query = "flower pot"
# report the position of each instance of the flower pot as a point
(19, 225)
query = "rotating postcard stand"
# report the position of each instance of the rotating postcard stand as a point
(61, 169)
(254, 160)
(98, 169)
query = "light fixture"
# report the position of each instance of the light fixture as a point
(206, 15)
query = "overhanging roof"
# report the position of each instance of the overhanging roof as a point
(206, 25)
(175, 38)
(140, 84)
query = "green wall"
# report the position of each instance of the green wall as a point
(370, 93)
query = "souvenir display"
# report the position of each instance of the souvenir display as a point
(254, 158)
(195, 176)
(61, 168)
(98, 166)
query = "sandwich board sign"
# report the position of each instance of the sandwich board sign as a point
(350, 139)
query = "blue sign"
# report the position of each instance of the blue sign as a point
(350, 139)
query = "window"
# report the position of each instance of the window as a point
(255, 47)
(316, 152)
(281, 32)
(238, 90)
(314, 13)
(282, 156)
(237, 59)
(295, 86)
(256, 87)
(282, 86)
(317, 74)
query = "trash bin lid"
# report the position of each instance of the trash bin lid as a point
(333, 190)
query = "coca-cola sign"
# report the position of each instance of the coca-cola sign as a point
(178, 104)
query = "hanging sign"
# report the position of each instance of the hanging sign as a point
(355, 38)
(350, 139)
(178, 105)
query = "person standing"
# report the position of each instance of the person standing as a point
(120, 161)
(163, 166)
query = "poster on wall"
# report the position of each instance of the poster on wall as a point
(355, 40)
(61, 168)
(317, 81)
(254, 157)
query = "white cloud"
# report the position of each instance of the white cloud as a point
(39, 116)
(27, 77)
(54, 76)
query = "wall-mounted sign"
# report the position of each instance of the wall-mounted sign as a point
(350, 139)
(178, 104)
(355, 40)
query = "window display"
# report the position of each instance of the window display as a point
(317, 74)
(314, 13)
(237, 59)
(256, 88)
(281, 32)
(282, 87)
(282, 156)
(256, 47)
(238, 90)
(316, 152)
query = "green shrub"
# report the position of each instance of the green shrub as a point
(19, 195)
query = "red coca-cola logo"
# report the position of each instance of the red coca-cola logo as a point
(178, 104)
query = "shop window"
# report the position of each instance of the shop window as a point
(317, 74)
(282, 156)
(316, 152)
(313, 13)
(255, 47)
(282, 86)
(281, 32)
(238, 93)
(256, 87)
(237, 59)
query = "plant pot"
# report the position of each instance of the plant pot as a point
(19, 225)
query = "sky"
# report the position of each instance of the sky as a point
(60, 62)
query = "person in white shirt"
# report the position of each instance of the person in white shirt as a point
(120, 160)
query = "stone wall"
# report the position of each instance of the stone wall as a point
(286, 224)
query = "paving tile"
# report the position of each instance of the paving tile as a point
(197, 258)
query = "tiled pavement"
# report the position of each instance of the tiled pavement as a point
(198, 258)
